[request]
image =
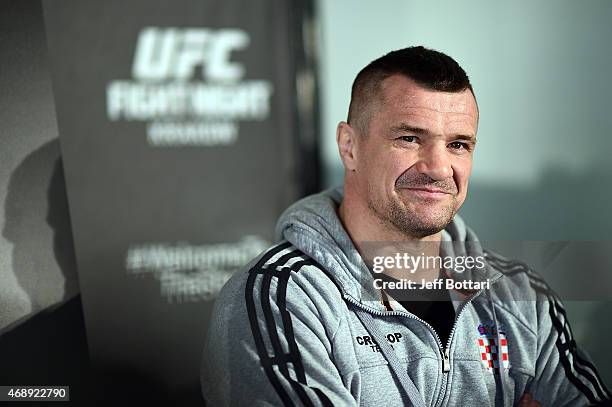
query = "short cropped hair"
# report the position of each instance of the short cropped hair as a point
(430, 69)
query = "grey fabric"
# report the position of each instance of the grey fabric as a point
(284, 330)
(398, 369)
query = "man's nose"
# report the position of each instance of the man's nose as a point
(435, 162)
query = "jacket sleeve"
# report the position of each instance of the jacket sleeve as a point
(270, 344)
(565, 375)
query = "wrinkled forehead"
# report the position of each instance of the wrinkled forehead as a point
(402, 93)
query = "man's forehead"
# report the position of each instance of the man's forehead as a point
(404, 93)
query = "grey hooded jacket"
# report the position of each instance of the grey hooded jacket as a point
(287, 331)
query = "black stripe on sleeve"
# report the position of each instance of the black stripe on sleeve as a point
(259, 343)
(266, 306)
(257, 336)
(266, 273)
(288, 328)
(576, 365)
(565, 362)
(275, 340)
(606, 393)
(570, 346)
(271, 253)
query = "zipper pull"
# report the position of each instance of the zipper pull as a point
(445, 361)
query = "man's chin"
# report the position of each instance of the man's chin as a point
(421, 231)
(420, 224)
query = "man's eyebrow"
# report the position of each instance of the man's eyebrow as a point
(466, 137)
(401, 128)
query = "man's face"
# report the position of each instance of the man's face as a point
(413, 164)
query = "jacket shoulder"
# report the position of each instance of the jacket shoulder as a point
(282, 278)
(521, 290)
(520, 281)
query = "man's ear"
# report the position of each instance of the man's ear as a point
(346, 137)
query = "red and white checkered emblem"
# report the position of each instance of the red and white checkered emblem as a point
(492, 349)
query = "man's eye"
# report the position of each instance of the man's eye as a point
(457, 145)
(409, 139)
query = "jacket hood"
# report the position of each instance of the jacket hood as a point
(313, 226)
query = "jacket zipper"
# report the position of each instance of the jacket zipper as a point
(446, 361)
(444, 351)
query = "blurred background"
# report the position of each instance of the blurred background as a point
(154, 218)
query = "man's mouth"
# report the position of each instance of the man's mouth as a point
(426, 192)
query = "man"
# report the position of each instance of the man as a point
(309, 323)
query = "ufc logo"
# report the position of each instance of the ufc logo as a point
(174, 53)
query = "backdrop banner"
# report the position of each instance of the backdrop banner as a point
(183, 139)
